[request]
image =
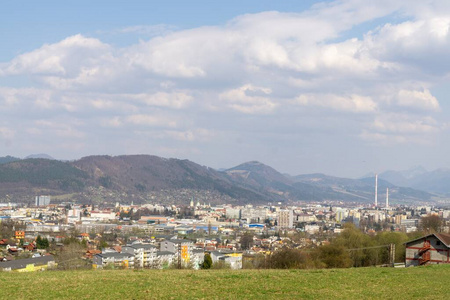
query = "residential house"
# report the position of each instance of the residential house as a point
(433, 248)
(13, 249)
(3, 243)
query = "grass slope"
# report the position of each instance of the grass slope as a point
(361, 283)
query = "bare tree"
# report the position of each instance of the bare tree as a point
(431, 223)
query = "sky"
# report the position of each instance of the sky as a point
(341, 87)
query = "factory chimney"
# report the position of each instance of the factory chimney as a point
(376, 190)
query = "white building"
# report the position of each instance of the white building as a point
(312, 229)
(341, 214)
(234, 260)
(115, 259)
(144, 254)
(183, 249)
(42, 200)
(285, 218)
(254, 214)
(103, 215)
(233, 213)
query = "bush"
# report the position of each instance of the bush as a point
(220, 265)
(287, 258)
(207, 262)
(334, 256)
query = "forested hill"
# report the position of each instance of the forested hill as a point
(7, 159)
(141, 176)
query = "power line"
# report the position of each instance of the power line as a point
(374, 247)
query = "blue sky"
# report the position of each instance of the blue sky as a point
(27, 25)
(340, 87)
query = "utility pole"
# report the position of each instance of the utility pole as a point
(179, 256)
(392, 255)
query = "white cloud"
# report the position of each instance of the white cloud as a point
(151, 120)
(418, 99)
(249, 99)
(392, 140)
(351, 103)
(404, 124)
(419, 46)
(268, 67)
(66, 129)
(114, 122)
(172, 100)
(198, 134)
(26, 98)
(60, 59)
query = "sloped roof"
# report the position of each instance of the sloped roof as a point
(443, 237)
(22, 263)
(142, 246)
(179, 241)
(115, 255)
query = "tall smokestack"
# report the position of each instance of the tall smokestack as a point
(387, 197)
(376, 190)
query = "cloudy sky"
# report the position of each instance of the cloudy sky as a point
(339, 87)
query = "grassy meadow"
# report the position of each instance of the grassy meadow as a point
(357, 283)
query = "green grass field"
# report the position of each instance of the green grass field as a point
(362, 283)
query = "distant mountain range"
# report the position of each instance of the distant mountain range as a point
(437, 181)
(142, 175)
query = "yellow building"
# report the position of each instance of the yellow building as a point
(29, 264)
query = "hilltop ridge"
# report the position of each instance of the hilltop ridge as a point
(139, 177)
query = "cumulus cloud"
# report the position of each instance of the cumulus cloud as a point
(172, 100)
(417, 45)
(398, 128)
(64, 58)
(351, 103)
(419, 99)
(269, 68)
(197, 134)
(66, 130)
(399, 123)
(249, 99)
(151, 120)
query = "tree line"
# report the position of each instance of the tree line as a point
(351, 248)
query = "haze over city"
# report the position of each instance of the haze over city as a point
(338, 87)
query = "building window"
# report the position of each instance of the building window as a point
(438, 243)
